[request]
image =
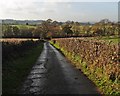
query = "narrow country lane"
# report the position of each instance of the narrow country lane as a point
(53, 74)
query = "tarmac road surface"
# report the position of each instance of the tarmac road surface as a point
(53, 74)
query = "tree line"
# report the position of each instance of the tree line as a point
(51, 29)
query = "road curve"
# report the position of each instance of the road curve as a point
(53, 74)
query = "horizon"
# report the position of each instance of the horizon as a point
(60, 11)
(56, 20)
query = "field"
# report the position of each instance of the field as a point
(98, 58)
(107, 40)
(24, 26)
(112, 39)
(18, 57)
(115, 40)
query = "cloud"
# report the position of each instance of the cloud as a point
(48, 7)
(44, 9)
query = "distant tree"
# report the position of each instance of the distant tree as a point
(8, 31)
(103, 21)
(16, 31)
(38, 32)
(76, 29)
(27, 24)
(24, 32)
(103, 24)
(54, 23)
(49, 28)
(30, 30)
(67, 30)
(49, 21)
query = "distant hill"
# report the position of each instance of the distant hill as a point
(35, 22)
(31, 22)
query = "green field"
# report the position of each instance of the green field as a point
(114, 40)
(24, 26)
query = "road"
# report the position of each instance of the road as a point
(53, 74)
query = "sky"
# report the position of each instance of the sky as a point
(60, 10)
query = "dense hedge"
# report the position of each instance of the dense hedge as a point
(15, 48)
(98, 60)
(18, 58)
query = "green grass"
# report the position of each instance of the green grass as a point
(16, 71)
(107, 39)
(24, 26)
(115, 40)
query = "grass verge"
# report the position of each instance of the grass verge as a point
(16, 71)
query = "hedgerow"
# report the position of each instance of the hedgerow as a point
(12, 49)
(18, 58)
(98, 60)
